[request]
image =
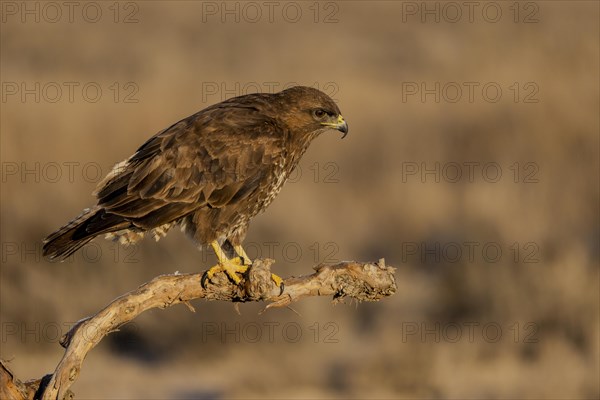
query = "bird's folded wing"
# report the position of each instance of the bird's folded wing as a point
(201, 161)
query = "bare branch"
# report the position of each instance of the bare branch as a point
(361, 281)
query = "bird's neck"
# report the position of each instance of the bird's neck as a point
(298, 146)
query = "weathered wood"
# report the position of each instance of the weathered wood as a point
(361, 281)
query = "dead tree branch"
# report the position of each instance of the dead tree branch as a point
(361, 281)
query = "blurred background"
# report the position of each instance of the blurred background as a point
(471, 165)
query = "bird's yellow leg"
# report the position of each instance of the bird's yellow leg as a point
(232, 267)
(247, 261)
(240, 252)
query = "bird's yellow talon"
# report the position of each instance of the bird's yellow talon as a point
(279, 282)
(241, 261)
(231, 267)
(234, 267)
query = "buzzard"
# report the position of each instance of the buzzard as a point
(209, 174)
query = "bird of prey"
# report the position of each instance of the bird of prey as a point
(209, 174)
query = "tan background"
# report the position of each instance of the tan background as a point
(469, 325)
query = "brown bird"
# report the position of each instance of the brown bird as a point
(209, 174)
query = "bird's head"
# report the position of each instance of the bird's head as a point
(311, 112)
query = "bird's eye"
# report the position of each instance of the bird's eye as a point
(319, 113)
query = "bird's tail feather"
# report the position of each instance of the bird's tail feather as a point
(71, 237)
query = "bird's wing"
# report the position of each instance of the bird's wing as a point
(214, 158)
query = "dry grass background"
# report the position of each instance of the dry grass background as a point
(407, 346)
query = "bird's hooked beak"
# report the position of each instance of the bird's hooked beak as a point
(340, 124)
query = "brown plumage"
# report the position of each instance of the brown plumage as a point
(209, 173)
